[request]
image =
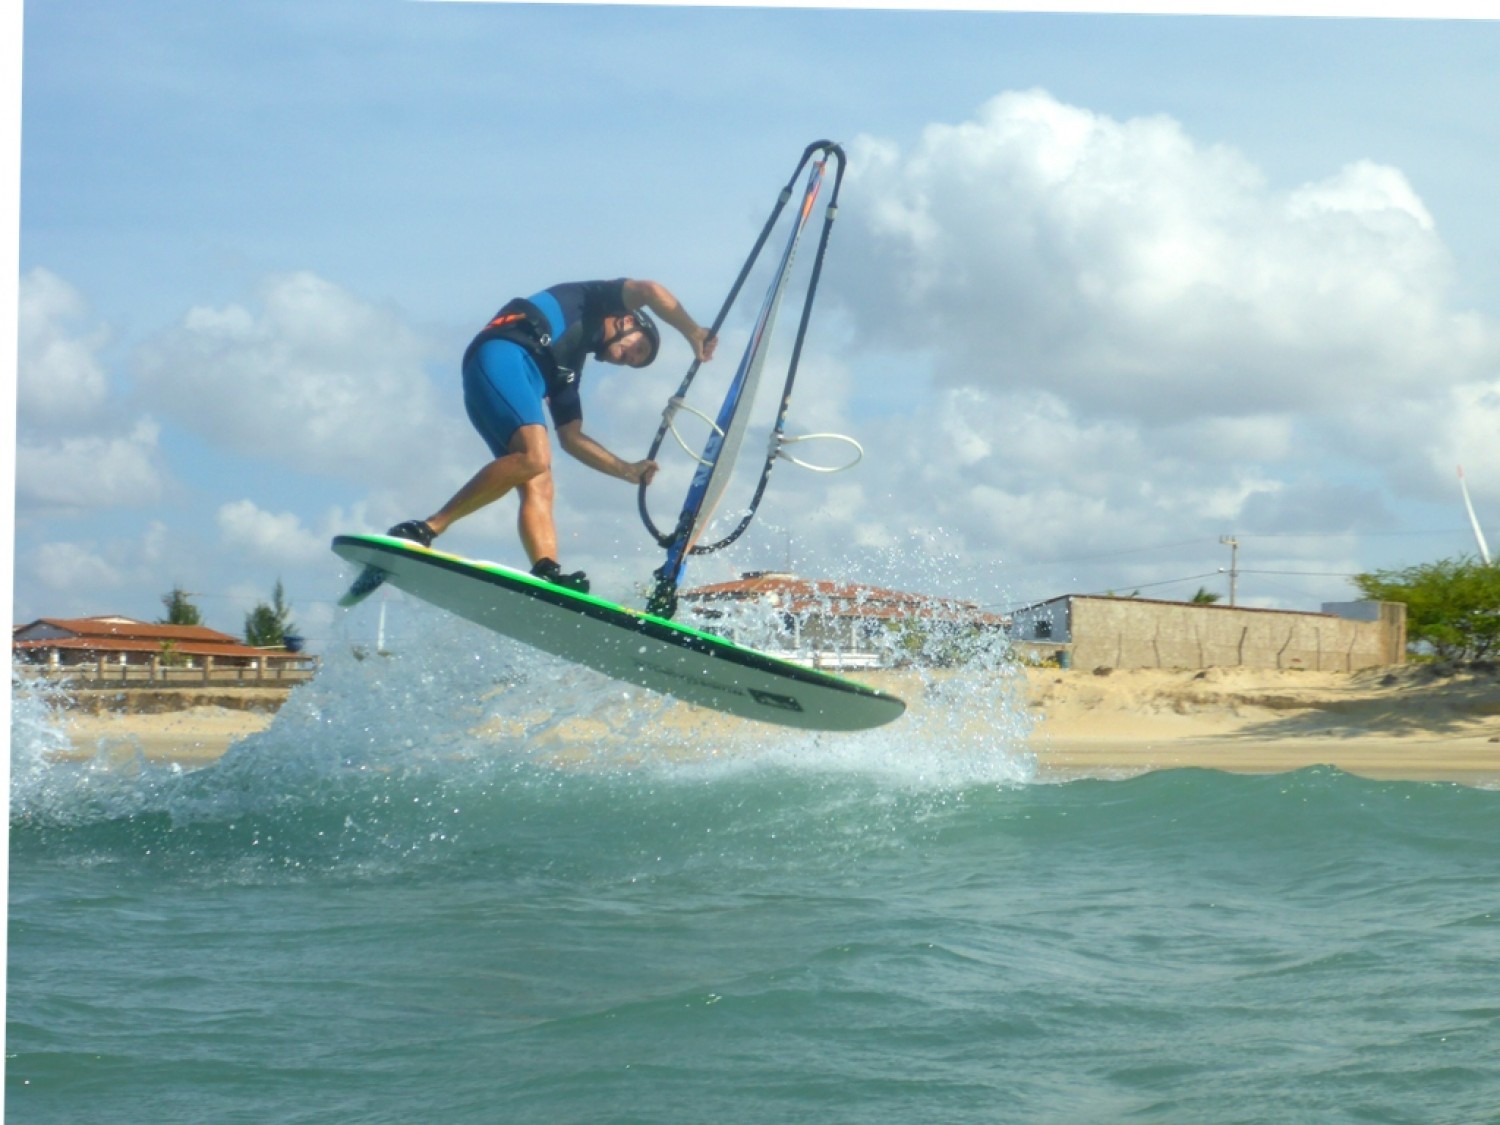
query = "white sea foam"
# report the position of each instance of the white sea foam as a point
(450, 703)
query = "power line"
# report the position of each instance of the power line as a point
(1239, 535)
(1171, 581)
(1136, 586)
(1103, 555)
(1348, 534)
(1305, 573)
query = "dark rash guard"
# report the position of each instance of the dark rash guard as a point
(574, 312)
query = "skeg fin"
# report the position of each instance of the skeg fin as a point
(370, 579)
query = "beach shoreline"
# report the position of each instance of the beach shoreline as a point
(1410, 722)
(1407, 722)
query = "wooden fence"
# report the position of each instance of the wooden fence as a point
(102, 674)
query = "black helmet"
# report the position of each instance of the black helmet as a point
(643, 324)
(653, 334)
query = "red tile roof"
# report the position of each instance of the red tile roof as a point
(112, 644)
(129, 627)
(124, 634)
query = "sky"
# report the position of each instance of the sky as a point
(1105, 290)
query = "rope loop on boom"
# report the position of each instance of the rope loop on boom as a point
(670, 414)
(778, 443)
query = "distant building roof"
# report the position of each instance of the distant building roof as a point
(125, 634)
(809, 597)
(128, 627)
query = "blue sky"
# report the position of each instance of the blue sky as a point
(1104, 288)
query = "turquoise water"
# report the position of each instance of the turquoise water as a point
(372, 913)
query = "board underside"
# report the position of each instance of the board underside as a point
(627, 645)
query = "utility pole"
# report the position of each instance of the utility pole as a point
(1234, 571)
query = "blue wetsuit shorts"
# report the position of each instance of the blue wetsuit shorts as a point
(503, 391)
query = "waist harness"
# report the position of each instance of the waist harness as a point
(521, 322)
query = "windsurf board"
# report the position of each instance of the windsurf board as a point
(628, 645)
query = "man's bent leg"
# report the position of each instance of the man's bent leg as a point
(539, 534)
(534, 521)
(530, 456)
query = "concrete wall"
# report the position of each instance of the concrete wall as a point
(1135, 633)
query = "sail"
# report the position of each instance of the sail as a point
(716, 463)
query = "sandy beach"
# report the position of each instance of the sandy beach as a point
(1404, 722)
(1407, 722)
(191, 728)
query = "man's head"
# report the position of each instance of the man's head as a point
(631, 340)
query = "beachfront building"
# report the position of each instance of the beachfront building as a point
(122, 648)
(1094, 631)
(831, 624)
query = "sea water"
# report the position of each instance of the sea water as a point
(463, 883)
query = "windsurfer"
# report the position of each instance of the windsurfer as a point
(534, 350)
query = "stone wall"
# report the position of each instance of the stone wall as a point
(1135, 633)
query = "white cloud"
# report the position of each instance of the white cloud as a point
(270, 536)
(1473, 436)
(75, 449)
(1138, 274)
(90, 472)
(156, 544)
(313, 376)
(71, 569)
(59, 379)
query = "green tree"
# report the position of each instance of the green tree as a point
(1452, 605)
(267, 626)
(180, 611)
(1204, 597)
(933, 643)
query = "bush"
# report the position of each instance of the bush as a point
(1452, 606)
